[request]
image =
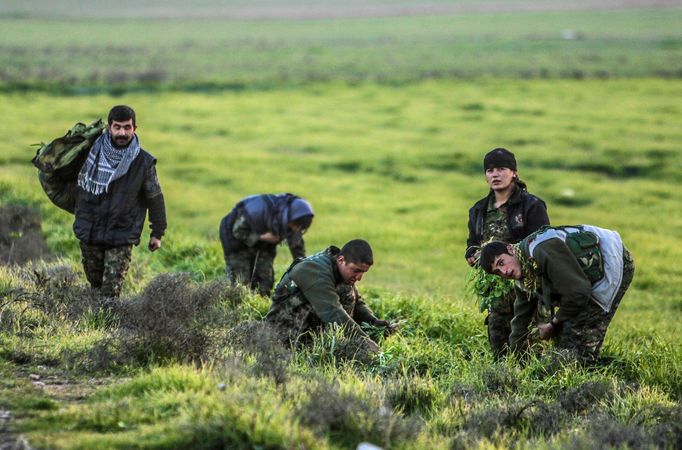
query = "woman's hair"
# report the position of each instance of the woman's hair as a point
(520, 183)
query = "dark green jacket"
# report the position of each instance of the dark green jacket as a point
(561, 283)
(314, 291)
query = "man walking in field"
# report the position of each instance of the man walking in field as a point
(117, 184)
(251, 232)
(583, 270)
(321, 290)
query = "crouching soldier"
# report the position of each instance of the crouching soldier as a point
(582, 270)
(251, 231)
(321, 289)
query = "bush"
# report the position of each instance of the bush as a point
(175, 318)
(348, 418)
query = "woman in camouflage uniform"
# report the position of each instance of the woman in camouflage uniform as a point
(508, 213)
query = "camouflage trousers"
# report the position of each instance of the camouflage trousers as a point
(294, 317)
(106, 268)
(253, 267)
(584, 335)
(499, 325)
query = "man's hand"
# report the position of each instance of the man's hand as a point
(154, 244)
(270, 238)
(389, 328)
(547, 330)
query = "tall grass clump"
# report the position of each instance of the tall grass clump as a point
(172, 319)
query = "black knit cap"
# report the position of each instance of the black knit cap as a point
(499, 158)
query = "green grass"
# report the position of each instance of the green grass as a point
(381, 122)
(116, 52)
(399, 166)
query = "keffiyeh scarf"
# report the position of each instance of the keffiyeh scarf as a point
(529, 271)
(106, 163)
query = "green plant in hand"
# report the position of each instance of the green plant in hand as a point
(487, 288)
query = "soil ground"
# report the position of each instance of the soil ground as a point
(21, 240)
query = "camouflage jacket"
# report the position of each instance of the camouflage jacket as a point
(242, 231)
(561, 283)
(237, 234)
(312, 292)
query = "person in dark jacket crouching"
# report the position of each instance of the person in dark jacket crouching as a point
(507, 213)
(250, 233)
(117, 184)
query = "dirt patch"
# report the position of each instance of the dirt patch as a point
(21, 239)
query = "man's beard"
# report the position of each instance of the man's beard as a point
(121, 142)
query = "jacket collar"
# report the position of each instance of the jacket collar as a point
(333, 251)
(514, 199)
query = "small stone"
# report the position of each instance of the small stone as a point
(367, 446)
(222, 386)
(34, 377)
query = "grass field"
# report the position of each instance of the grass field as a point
(389, 152)
(114, 53)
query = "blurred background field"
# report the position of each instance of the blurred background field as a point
(98, 46)
(379, 113)
(399, 166)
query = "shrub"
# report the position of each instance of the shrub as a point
(266, 345)
(174, 318)
(347, 418)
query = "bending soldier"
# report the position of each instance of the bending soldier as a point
(251, 231)
(584, 271)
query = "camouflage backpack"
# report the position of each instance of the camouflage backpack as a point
(64, 155)
(583, 244)
(60, 161)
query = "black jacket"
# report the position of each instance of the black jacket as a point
(263, 213)
(116, 218)
(526, 213)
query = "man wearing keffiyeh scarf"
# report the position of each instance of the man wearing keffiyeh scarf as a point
(117, 184)
(106, 163)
